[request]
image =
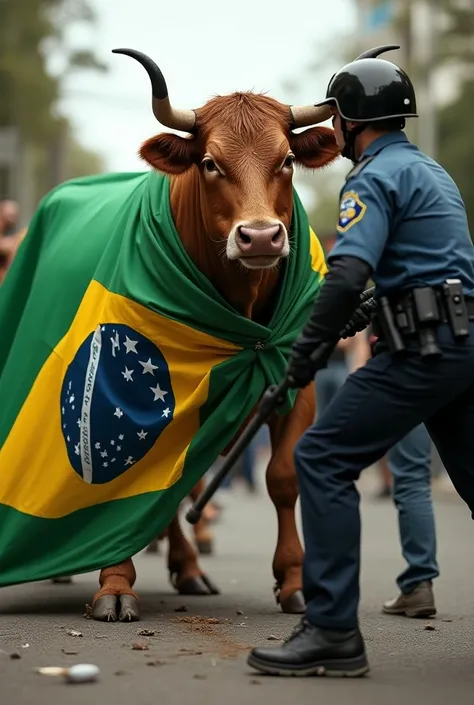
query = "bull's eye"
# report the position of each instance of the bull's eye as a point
(209, 165)
(289, 162)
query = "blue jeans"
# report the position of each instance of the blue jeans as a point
(410, 464)
(329, 380)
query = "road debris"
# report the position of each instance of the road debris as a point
(73, 632)
(183, 608)
(199, 619)
(140, 646)
(146, 632)
(15, 655)
(69, 653)
(239, 613)
(25, 646)
(88, 613)
(429, 627)
(200, 676)
(79, 673)
(272, 637)
(255, 682)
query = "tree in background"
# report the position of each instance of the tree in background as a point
(455, 143)
(32, 31)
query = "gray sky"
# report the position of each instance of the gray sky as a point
(203, 47)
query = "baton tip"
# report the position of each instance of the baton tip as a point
(193, 515)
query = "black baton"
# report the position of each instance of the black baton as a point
(273, 397)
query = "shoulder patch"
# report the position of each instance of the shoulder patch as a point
(351, 211)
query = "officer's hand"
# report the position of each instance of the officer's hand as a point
(301, 370)
(357, 322)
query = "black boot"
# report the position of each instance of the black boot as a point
(312, 651)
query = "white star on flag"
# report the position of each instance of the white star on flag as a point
(166, 413)
(104, 453)
(119, 448)
(79, 422)
(97, 445)
(76, 449)
(71, 398)
(113, 460)
(62, 409)
(121, 437)
(105, 465)
(112, 443)
(128, 374)
(130, 345)
(158, 392)
(129, 460)
(148, 367)
(118, 412)
(115, 343)
(142, 435)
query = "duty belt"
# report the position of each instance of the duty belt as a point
(419, 312)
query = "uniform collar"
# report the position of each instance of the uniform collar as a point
(381, 142)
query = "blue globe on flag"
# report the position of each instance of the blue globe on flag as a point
(116, 401)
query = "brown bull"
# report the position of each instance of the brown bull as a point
(232, 200)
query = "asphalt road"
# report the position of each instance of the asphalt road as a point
(194, 661)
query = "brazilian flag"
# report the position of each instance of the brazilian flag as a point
(123, 373)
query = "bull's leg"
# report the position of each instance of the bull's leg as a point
(116, 594)
(202, 533)
(185, 573)
(283, 489)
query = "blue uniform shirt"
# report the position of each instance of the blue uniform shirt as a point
(403, 214)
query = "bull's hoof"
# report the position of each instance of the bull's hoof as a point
(211, 586)
(205, 547)
(153, 547)
(200, 585)
(129, 608)
(62, 580)
(104, 609)
(293, 604)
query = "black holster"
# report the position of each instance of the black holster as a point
(416, 314)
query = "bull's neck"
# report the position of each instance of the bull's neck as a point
(248, 291)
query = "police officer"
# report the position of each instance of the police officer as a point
(403, 224)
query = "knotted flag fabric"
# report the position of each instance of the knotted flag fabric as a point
(123, 373)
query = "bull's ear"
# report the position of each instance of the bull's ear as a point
(315, 147)
(169, 153)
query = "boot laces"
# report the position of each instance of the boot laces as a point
(299, 630)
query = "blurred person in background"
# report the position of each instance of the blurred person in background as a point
(9, 217)
(10, 236)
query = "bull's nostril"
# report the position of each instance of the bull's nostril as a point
(277, 237)
(246, 239)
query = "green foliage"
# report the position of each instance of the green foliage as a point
(455, 134)
(456, 144)
(30, 30)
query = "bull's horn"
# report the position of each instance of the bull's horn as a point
(184, 120)
(305, 115)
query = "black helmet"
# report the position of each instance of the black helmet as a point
(370, 89)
